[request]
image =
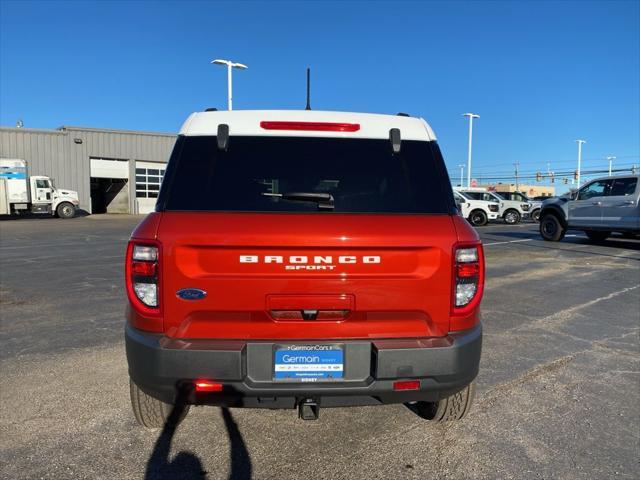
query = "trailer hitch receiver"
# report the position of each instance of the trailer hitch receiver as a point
(308, 409)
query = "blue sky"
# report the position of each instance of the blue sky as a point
(540, 74)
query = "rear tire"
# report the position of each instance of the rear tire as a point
(153, 413)
(66, 210)
(454, 407)
(535, 215)
(478, 218)
(597, 236)
(511, 217)
(551, 228)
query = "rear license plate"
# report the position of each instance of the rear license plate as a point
(308, 363)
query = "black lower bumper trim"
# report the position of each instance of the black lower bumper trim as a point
(164, 367)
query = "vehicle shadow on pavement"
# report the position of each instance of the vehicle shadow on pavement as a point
(187, 465)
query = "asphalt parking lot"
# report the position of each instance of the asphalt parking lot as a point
(558, 391)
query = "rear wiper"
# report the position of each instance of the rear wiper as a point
(324, 200)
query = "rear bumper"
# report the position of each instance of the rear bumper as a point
(166, 368)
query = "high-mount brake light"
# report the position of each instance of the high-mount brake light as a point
(311, 126)
(468, 271)
(142, 276)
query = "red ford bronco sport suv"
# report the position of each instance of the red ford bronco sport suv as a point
(303, 259)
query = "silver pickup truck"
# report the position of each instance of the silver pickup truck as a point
(598, 208)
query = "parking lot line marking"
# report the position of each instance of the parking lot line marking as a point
(510, 241)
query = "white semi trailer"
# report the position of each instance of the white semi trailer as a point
(21, 193)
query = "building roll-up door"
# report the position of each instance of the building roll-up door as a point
(149, 177)
(109, 192)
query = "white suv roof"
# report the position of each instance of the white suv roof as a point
(248, 123)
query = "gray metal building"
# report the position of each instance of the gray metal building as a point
(113, 171)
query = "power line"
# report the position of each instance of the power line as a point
(560, 162)
(507, 173)
(566, 173)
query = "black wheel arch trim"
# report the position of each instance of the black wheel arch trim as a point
(554, 210)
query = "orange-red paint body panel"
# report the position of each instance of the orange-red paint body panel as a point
(392, 273)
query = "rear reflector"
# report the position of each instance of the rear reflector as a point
(312, 126)
(207, 386)
(406, 385)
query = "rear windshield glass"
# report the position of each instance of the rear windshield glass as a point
(361, 175)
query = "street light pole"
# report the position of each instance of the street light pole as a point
(611, 158)
(461, 174)
(230, 66)
(229, 87)
(471, 117)
(579, 142)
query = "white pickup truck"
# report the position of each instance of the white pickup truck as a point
(21, 193)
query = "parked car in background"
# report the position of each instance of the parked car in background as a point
(512, 212)
(477, 212)
(535, 206)
(602, 206)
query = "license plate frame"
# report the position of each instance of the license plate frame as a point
(329, 366)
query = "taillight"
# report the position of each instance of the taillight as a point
(468, 278)
(143, 274)
(311, 126)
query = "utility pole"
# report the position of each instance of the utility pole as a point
(461, 166)
(471, 117)
(611, 158)
(579, 142)
(517, 186)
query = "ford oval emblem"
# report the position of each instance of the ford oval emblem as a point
(191, 294)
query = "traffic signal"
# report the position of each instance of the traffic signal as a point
(575, 175)
(538, 177)
(566, 180)
(552, 176)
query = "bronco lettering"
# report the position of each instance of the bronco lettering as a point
(303, 259)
